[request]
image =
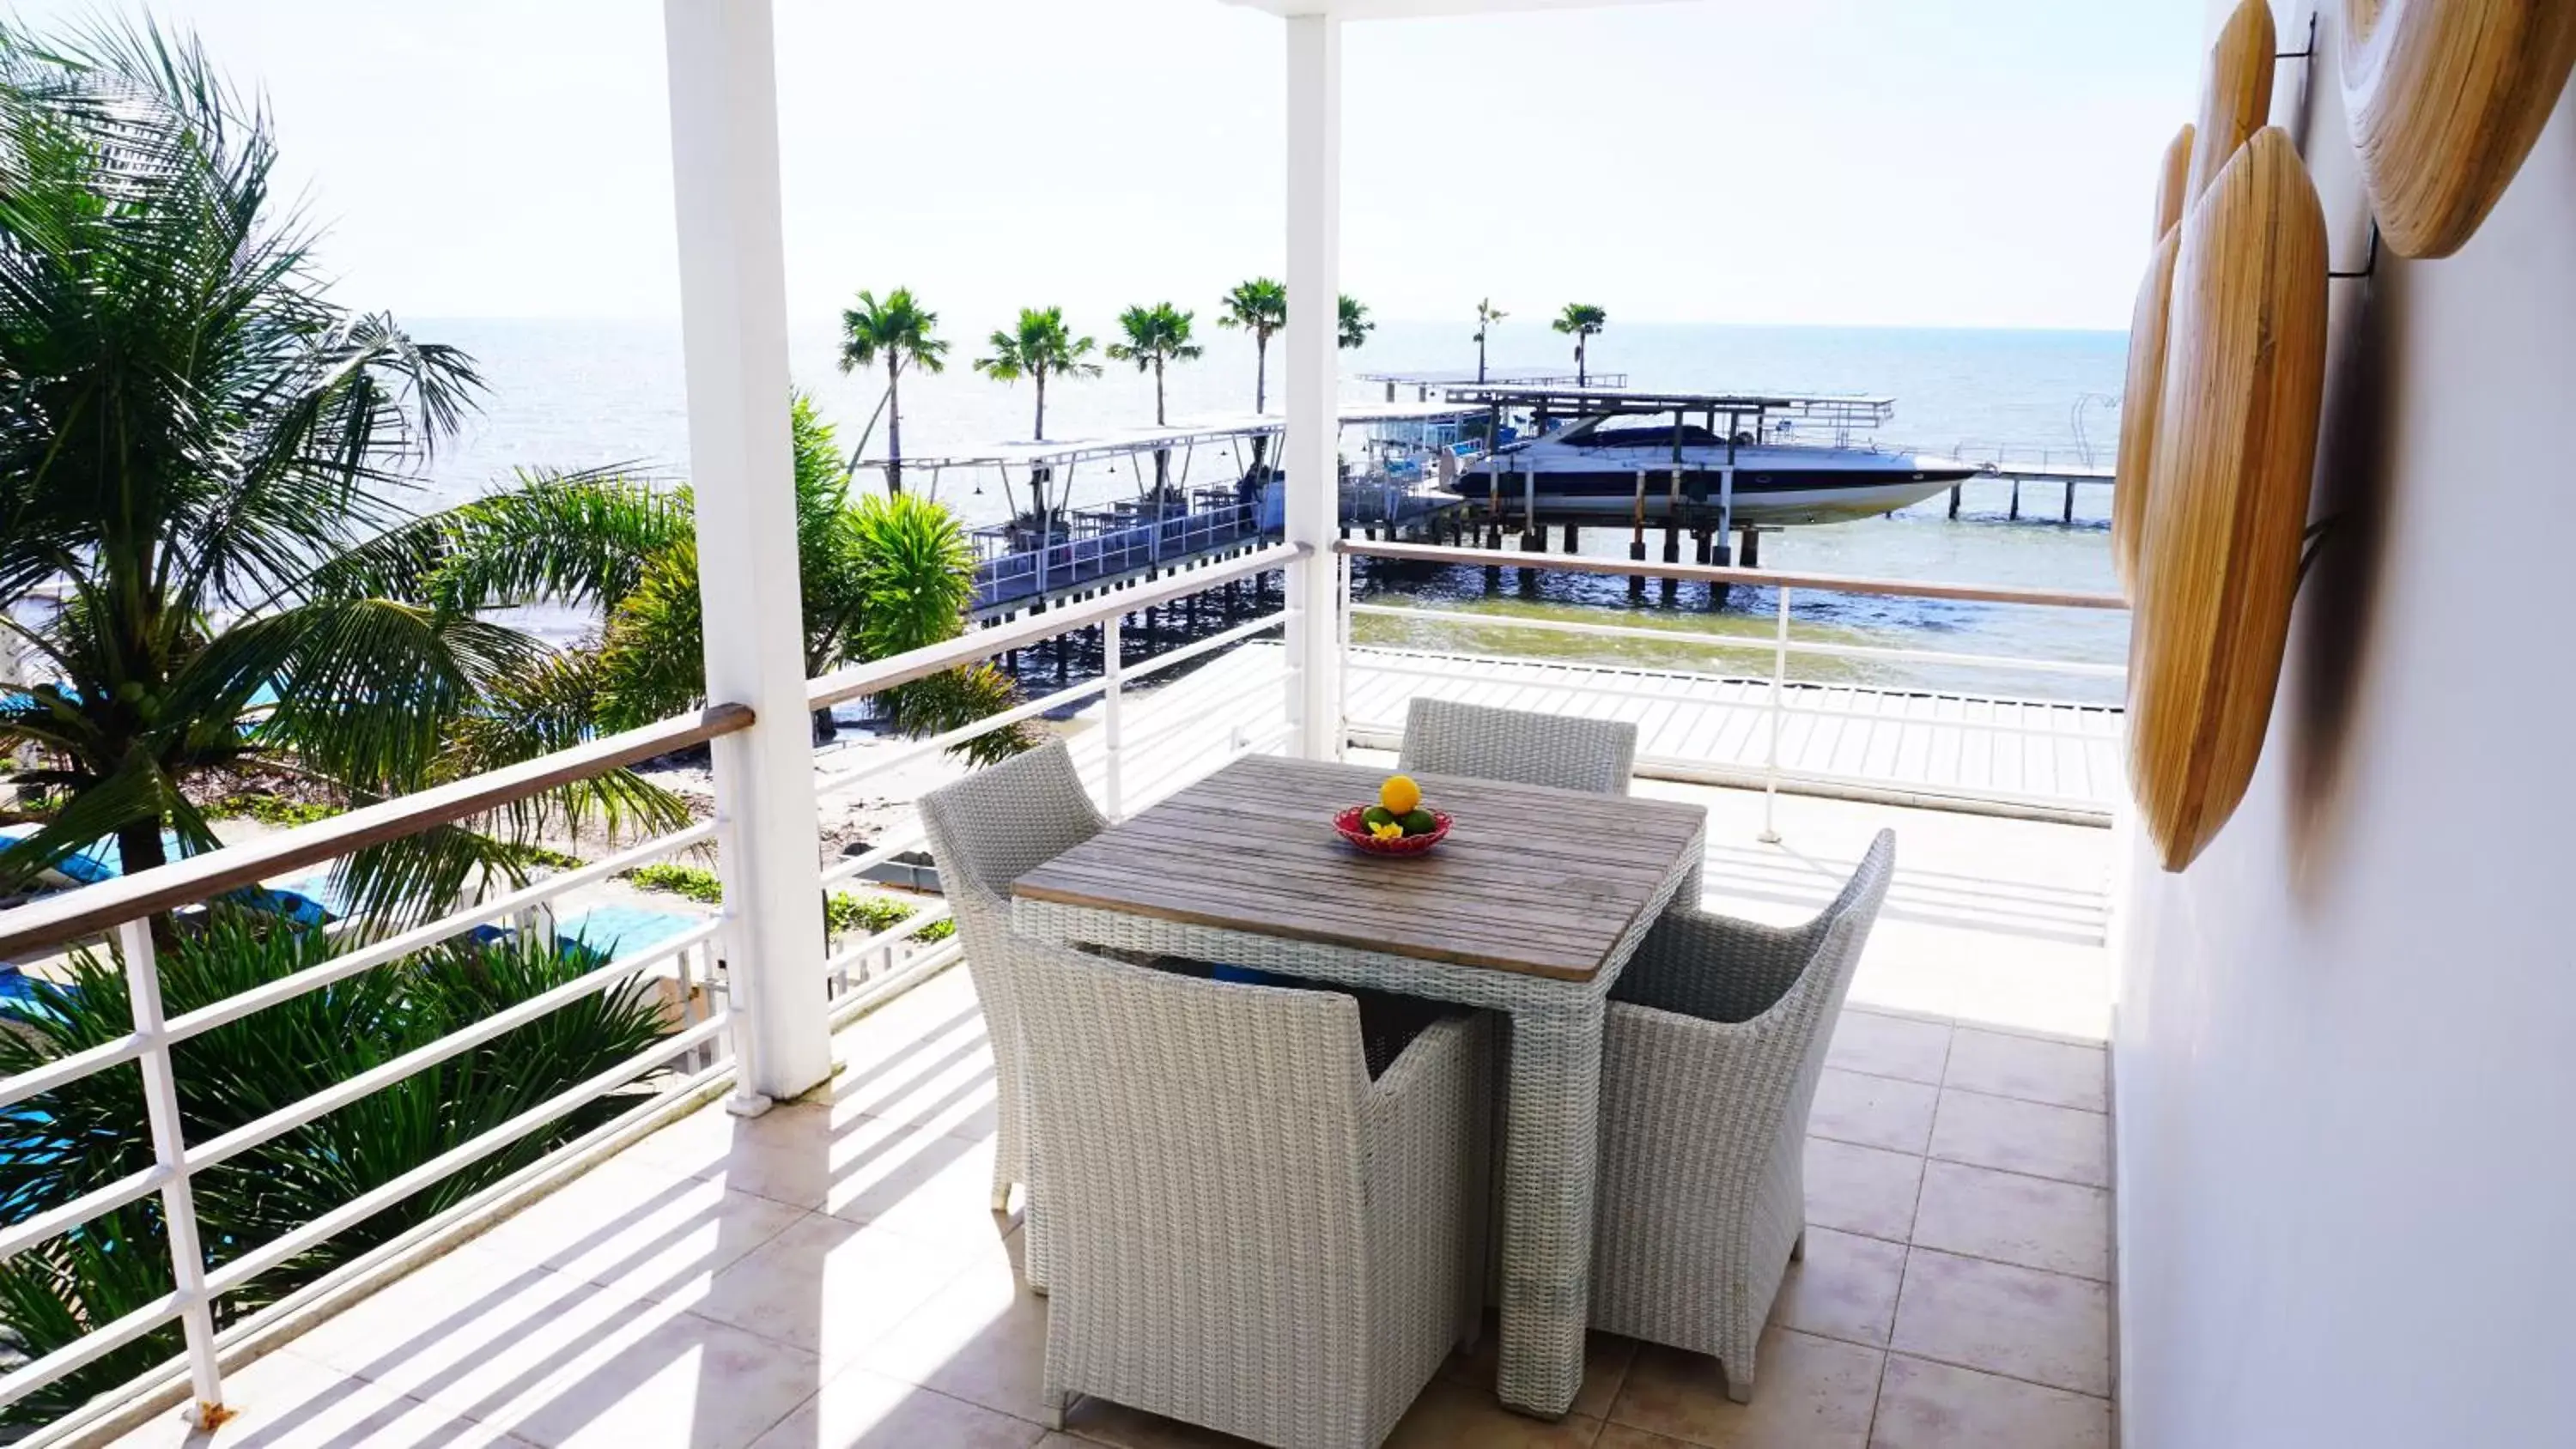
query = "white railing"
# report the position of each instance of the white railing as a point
(1105, 755)
(125, 909)
(1782, 694)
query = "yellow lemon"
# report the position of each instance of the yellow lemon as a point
(1400, 795)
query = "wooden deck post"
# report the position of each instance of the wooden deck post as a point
(1312, 379)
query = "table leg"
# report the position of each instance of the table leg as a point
(1554, 1109)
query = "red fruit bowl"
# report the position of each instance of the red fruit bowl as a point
(1348, 823)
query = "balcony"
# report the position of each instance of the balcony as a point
(829, 1273)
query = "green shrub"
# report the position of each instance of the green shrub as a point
(268, 809)
(693, 881)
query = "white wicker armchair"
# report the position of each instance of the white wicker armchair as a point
(1716, 1036)
(986, 831)
(1444, 737)
(1249, 1233)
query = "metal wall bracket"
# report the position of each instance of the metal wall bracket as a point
(2369, 259)
(2311, 49)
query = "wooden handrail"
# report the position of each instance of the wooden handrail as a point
(1710, 574)
(858, 680)
(92, 909)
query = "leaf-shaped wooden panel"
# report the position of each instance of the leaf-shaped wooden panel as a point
(2138, 396)
(2235, 444)
(2444, 98)
(2235, 96)
(2173, 179)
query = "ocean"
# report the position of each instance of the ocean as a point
(579, 394)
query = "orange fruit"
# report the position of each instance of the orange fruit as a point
(1400, 795)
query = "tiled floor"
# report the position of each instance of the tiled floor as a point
(829, 1275)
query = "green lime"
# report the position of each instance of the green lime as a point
(1377, 815)
(1417, 822)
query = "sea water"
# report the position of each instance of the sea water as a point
(584, 395)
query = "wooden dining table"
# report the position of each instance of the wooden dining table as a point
(1530, 907)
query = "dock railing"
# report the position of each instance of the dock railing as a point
(1778, 709)
(1067, 562)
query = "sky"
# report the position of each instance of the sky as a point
(1977, 163)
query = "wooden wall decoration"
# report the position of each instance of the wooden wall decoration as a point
(2444, 99)
(2235, 444)
(2172, 181)
(2236, 97)
(2138, 398)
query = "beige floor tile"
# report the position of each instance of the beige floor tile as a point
(684, 1381)
(2034, 1222)
(2020, 1322)
(940, 1083)
(1605, 1363)
(1934, 1406)
(286, 1401)
(1890, 1046)
(651, 1232)
(1098, 1421)
(980, 1338)
(1861, 1189)
(1873, 1111)
(1453, 1415)
(784, 1154)
(2028, 1068)
(1808, 1393)
(2026, 1137)
(1620, 1436)
(1844, 1288)
(859, 1410)
(558, 1361)
(923, 1184)
(828, 1287)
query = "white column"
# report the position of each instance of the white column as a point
(1313, 379)
(733, 310)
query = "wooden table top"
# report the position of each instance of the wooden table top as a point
(1532, 880)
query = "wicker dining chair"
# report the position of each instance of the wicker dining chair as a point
(1444, 737)
(1250, 1234)
(986, 831)
(1716, 1036)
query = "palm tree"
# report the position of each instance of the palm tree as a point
(1580, 320)
(1038, 348)
(1259, 306)
(1355, 325)
(881, 575)
(899, 330)
(1156, 335)
(1487, 314)
(195, 446)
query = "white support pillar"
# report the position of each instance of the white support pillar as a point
(733, 312)
(1314, 377)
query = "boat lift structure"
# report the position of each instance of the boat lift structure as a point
(1049, 552)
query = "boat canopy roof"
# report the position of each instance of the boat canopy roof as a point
(1189, 432)
(1545, 375)
(1838, 409)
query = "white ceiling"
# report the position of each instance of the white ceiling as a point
(1406, 9)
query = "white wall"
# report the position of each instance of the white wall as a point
(2346, 1047)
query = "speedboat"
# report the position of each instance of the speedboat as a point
(1592, 468)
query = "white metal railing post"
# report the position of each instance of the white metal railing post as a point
(170, 1153)
(1113, 741)
(1348, 570)
(1771, 752)
(733, 328)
